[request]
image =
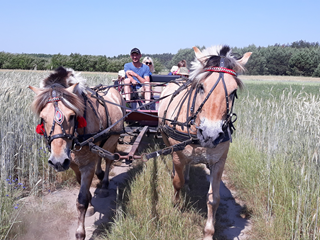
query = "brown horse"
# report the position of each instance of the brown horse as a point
(70, 114)
(199, 113)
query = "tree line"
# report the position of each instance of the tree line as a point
(299, 58)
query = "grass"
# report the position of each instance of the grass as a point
(273, 160)
(8, 206)
(147, 211)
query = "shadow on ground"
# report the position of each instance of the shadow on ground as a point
(105, 207)
(229, 223)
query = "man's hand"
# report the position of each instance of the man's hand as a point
(130, 75)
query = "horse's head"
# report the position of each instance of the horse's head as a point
(58, 107)
(215, 83)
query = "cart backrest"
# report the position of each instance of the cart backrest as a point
(163, 78)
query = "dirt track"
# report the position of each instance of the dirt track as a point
(57, 224)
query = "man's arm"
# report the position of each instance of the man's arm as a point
(131, 74)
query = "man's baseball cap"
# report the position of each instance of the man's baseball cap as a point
(135, 50)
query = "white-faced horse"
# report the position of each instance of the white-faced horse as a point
(199, 114)
(72, 113)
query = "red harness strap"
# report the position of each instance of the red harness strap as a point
(54, 99)
(220, 69)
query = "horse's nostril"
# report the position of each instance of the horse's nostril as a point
(66, 164)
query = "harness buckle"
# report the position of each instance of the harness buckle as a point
(74, 148)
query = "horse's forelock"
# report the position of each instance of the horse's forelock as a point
(59, 76)
(213, 57)
(40, 101)
(223, 52)
(65, 77)
(70, 100)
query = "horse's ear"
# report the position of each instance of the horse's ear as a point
(197, 52)
(37, 91)
(199, 55)
(71, 88)
(244, 58)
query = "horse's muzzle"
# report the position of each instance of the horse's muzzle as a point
(208, 132)
(58, 166)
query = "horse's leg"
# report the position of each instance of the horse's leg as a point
(213, 197)
(178, 179)
(105, 181)
(110, 145)
(75, 168)
(187, 176)
(99, 171)
(84, 198)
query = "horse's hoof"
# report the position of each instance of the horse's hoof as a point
(209, 237)
(208, 234)
(80, 236)
(90, 211)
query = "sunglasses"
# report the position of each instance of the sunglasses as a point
(148, 63)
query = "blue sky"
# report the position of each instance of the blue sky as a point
(111, 28)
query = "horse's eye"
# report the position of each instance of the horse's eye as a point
(201, 88)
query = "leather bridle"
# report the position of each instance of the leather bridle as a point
(227, 126)
(58, 119)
